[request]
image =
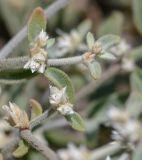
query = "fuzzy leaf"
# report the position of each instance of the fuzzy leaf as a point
(109, 40)
(50, 42)
(95, 69)
(90, 40)
(111, 25)
(21, 150)
(84, 27)
(137, 14)
(136, 81)
(36, 108)
(136, 53)
(60, 79)
(36, 24)
(76, 121)
(107, 56)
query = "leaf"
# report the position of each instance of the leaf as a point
(36, 108)
(107, 56)
(76, 121)
(21, 150)
(90, 40)
(112, 25)
(136, 81)
(36, 24)
(84, 27)
(137, 14)
(95, 69)
(50, 42)
(109, 41)
(136, 53)
(60, 79)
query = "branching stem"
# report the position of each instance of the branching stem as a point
(35, 143)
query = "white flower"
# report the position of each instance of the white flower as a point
(36, 63)
(15, 116)
(42, 38)
(57, 96)
(108, 158)
(66, 109)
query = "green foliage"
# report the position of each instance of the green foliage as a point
(112, 25)
(109, 41)
(36, 24)
(36, 108)
(21, 150)
(76, 121)
(95, 69)
(60, 80)
(90, 40)
(137, 8)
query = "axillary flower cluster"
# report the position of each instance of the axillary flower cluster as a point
(59, 100)
(38, 59)
(15, 116)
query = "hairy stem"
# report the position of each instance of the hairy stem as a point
(19, 62)
(35, 143)
(14, 42)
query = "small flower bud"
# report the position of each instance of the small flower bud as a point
(42, 39)
(66, 109)
(15, 116)
(57, 96)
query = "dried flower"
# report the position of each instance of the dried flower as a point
(15, 116)
(57, 96)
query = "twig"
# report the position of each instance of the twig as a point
(106, 150)
(35, 143)
(92, 86)
(14, 42)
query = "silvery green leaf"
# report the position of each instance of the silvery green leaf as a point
(60, 79)
(84, 27)
(50, 42)
(107, 56)
(109, 41)
(21, 150)
(76, 121)
(36, 24)
(95, 69)
(36, 108)
(90, 40)
(136, 81)
(113, 24)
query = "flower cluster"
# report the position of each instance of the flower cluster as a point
(38, 59)
(126, 128)
(15, 116)
(58, 98)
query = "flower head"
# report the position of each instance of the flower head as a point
(57, 96)
(66, 109)
(15, 116)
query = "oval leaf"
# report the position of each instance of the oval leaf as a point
(36, 108)
(90, 40)
(21, 150)
(36, 24)
(95, 69)
(109, 41)
(60, 79)
(107, 56)
(76, 121)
